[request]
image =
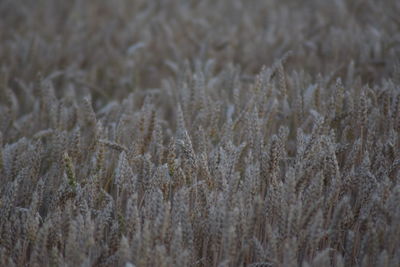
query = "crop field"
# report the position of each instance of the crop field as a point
(260, 133)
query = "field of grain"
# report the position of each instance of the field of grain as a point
(200, 133)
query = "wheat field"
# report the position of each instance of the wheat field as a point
(200, 133)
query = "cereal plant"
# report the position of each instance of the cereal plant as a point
(199, 133)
